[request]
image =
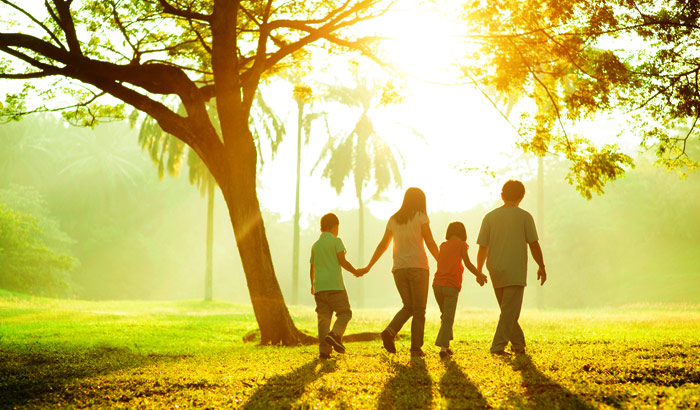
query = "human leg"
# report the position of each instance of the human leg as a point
(341, 305)
(324, 314)
(510, 300)
(440, 299)
(517, 337)
(449, 296)
(401, 279)
(419, 281)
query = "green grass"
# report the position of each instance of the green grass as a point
(59, 353)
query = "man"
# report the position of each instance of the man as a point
(503, 239)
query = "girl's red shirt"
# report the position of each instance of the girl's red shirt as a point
(450, 267)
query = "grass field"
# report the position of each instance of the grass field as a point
(58, 353)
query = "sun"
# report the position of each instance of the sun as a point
(422, 41)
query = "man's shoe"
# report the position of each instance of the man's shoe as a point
(500, 353)
(333, 340)
(417, 353)
(388, 341)
(518, 351)
(324, 356)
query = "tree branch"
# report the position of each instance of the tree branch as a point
(549, 94)
(65, 21)
(190, 15)
(25, 76)
(37, 22)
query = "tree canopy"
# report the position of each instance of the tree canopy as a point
(156, 56)
(577, 59)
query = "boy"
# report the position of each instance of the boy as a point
(503, 239)
(327, 258)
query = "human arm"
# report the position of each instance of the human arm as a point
(536, 252)
(481, 279)
(345, 264)
(481, 257)
(312, 274)
(381, 248)
(429, 240)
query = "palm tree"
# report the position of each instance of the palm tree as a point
(26, 152)
(168, 153)
(303, 96)
(361, 151)
(102, 161)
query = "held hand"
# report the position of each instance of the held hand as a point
(541, 275)
(481, 279)
(312, 289)
(361, 272)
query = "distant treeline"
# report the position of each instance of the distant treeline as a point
(88, 207)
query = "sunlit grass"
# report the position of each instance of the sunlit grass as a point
(191, 354)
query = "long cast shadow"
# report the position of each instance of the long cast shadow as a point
(409, 388)
(284, 390)
(459, 391)
(29, 376)
(542, 392)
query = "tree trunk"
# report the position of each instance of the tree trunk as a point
(295, 242)
(540, 219)
(208, 271)
(361, 249)
(237, 179)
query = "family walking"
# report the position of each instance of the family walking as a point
(505, 234)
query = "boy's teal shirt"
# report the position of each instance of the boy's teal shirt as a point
(324, 257)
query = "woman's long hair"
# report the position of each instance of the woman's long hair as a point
(413, 202)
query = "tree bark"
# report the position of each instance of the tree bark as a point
(237, 179)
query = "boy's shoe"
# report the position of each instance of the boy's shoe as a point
(445, 354)
(417, 353)
(388, 341)
(324, 356)
(333, 340)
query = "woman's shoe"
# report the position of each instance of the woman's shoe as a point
(388, 341)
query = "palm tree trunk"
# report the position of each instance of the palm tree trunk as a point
(361, 249)
(295, 242)
(208, 271)
(540, 218)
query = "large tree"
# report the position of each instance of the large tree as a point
(167, 153)
(577, 59)
(143, 52)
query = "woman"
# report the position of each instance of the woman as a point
(409, 227)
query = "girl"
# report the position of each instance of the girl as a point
(409, 228)
(448, 281)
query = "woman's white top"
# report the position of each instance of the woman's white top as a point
(409, 250)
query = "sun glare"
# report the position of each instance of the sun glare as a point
(423, 43)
